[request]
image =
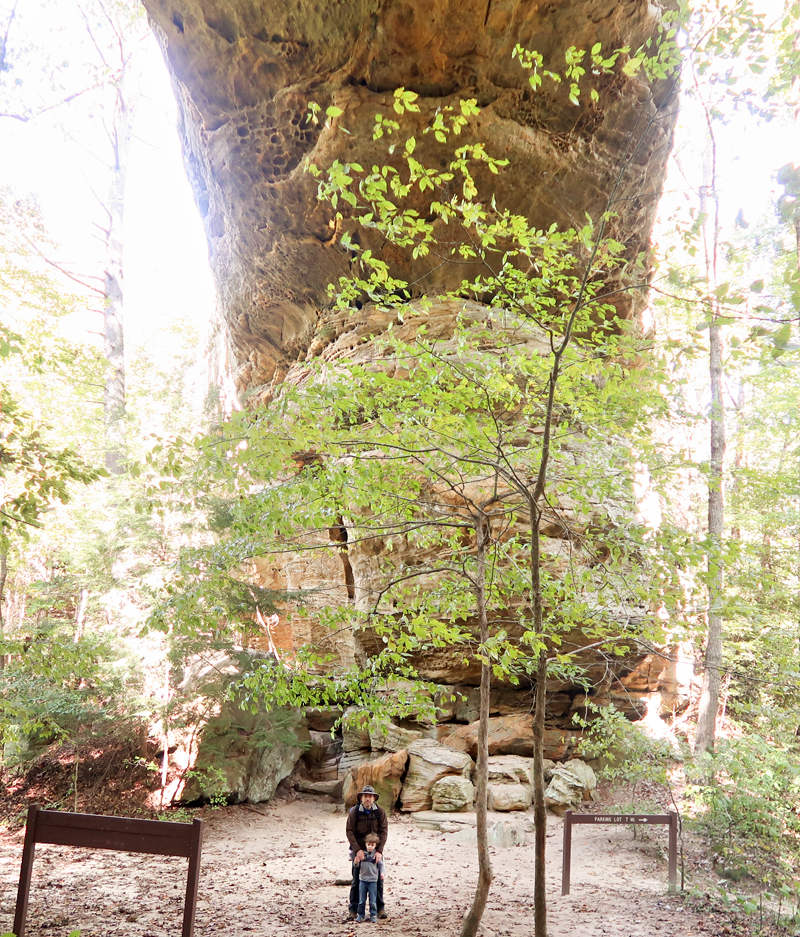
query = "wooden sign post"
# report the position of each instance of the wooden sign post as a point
(155, 837)
(671, 819)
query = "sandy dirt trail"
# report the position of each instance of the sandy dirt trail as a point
(269, 871)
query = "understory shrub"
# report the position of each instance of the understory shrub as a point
(746, 799)
(624, 752)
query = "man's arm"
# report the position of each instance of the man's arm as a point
(350, 831)
(383, 830)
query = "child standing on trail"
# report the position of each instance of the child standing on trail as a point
(370, 870)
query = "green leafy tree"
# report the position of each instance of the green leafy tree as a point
(36, 467)
(460, 451)
(735, 57)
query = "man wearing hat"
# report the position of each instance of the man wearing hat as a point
(366, 817)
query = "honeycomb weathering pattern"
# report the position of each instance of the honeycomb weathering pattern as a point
(244, 72)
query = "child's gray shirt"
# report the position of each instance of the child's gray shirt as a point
(369, 870)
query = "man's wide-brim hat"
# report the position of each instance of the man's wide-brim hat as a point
(367, 790)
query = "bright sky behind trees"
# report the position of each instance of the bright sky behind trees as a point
(53, 158)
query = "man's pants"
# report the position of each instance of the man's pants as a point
(354, 892)
(371, 889)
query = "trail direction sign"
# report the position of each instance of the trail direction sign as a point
(153, 837)
(670, 819)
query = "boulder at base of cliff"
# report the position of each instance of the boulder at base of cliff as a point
(331, 789)
(427, 762)
(244, 756)
(350, 760)
(384, 774)
(504, 831)
(571, 785)
(512, 735)
(452, 794)
(505, 797)
(320, 719)
(510, 769)
(510, 784)
(323, 756)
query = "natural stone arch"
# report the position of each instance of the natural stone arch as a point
(244, 72)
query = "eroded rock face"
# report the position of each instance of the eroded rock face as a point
(245, 756)
(427, 763)
(245, 71)
(505, 797)
(452, 793)
(511, 735)
(384, 774)
(570, 785)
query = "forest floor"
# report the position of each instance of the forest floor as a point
(269, 870)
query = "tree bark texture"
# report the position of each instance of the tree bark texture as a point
(245, 71)
(3, 577)
(485, 874)
(113, 322)
(539, 699)
(709, 694)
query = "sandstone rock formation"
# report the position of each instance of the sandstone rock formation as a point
(571, 784)
(504, 830)
(323, 755)
(452, 793)
(384, 774)
(233, 754)
(244, 756)
(244, 73)
(355, 731)
(392, 738)
(510, 769)
(510, 782)
(505, 797)
(511, 735)
(429, 761)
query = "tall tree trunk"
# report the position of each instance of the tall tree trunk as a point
(113, 306)
(709, 696)
(80, 614)
(539, 807)
(3, 577)
(485, 875)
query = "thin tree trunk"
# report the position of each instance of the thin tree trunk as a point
(165, 735)
(113, 323)
(540, 694)
(75, 777)
(3, 577)
(485, 874)
(80, 614)
(709, 696)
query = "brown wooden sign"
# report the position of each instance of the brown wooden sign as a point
(154, 837)
(670, 819)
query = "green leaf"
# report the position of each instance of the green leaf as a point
(782, 336)
(334, 111)
(632, 66)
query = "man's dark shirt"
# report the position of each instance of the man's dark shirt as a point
(360, 822)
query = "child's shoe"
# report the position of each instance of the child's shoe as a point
(374, 919)
(359, 920)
